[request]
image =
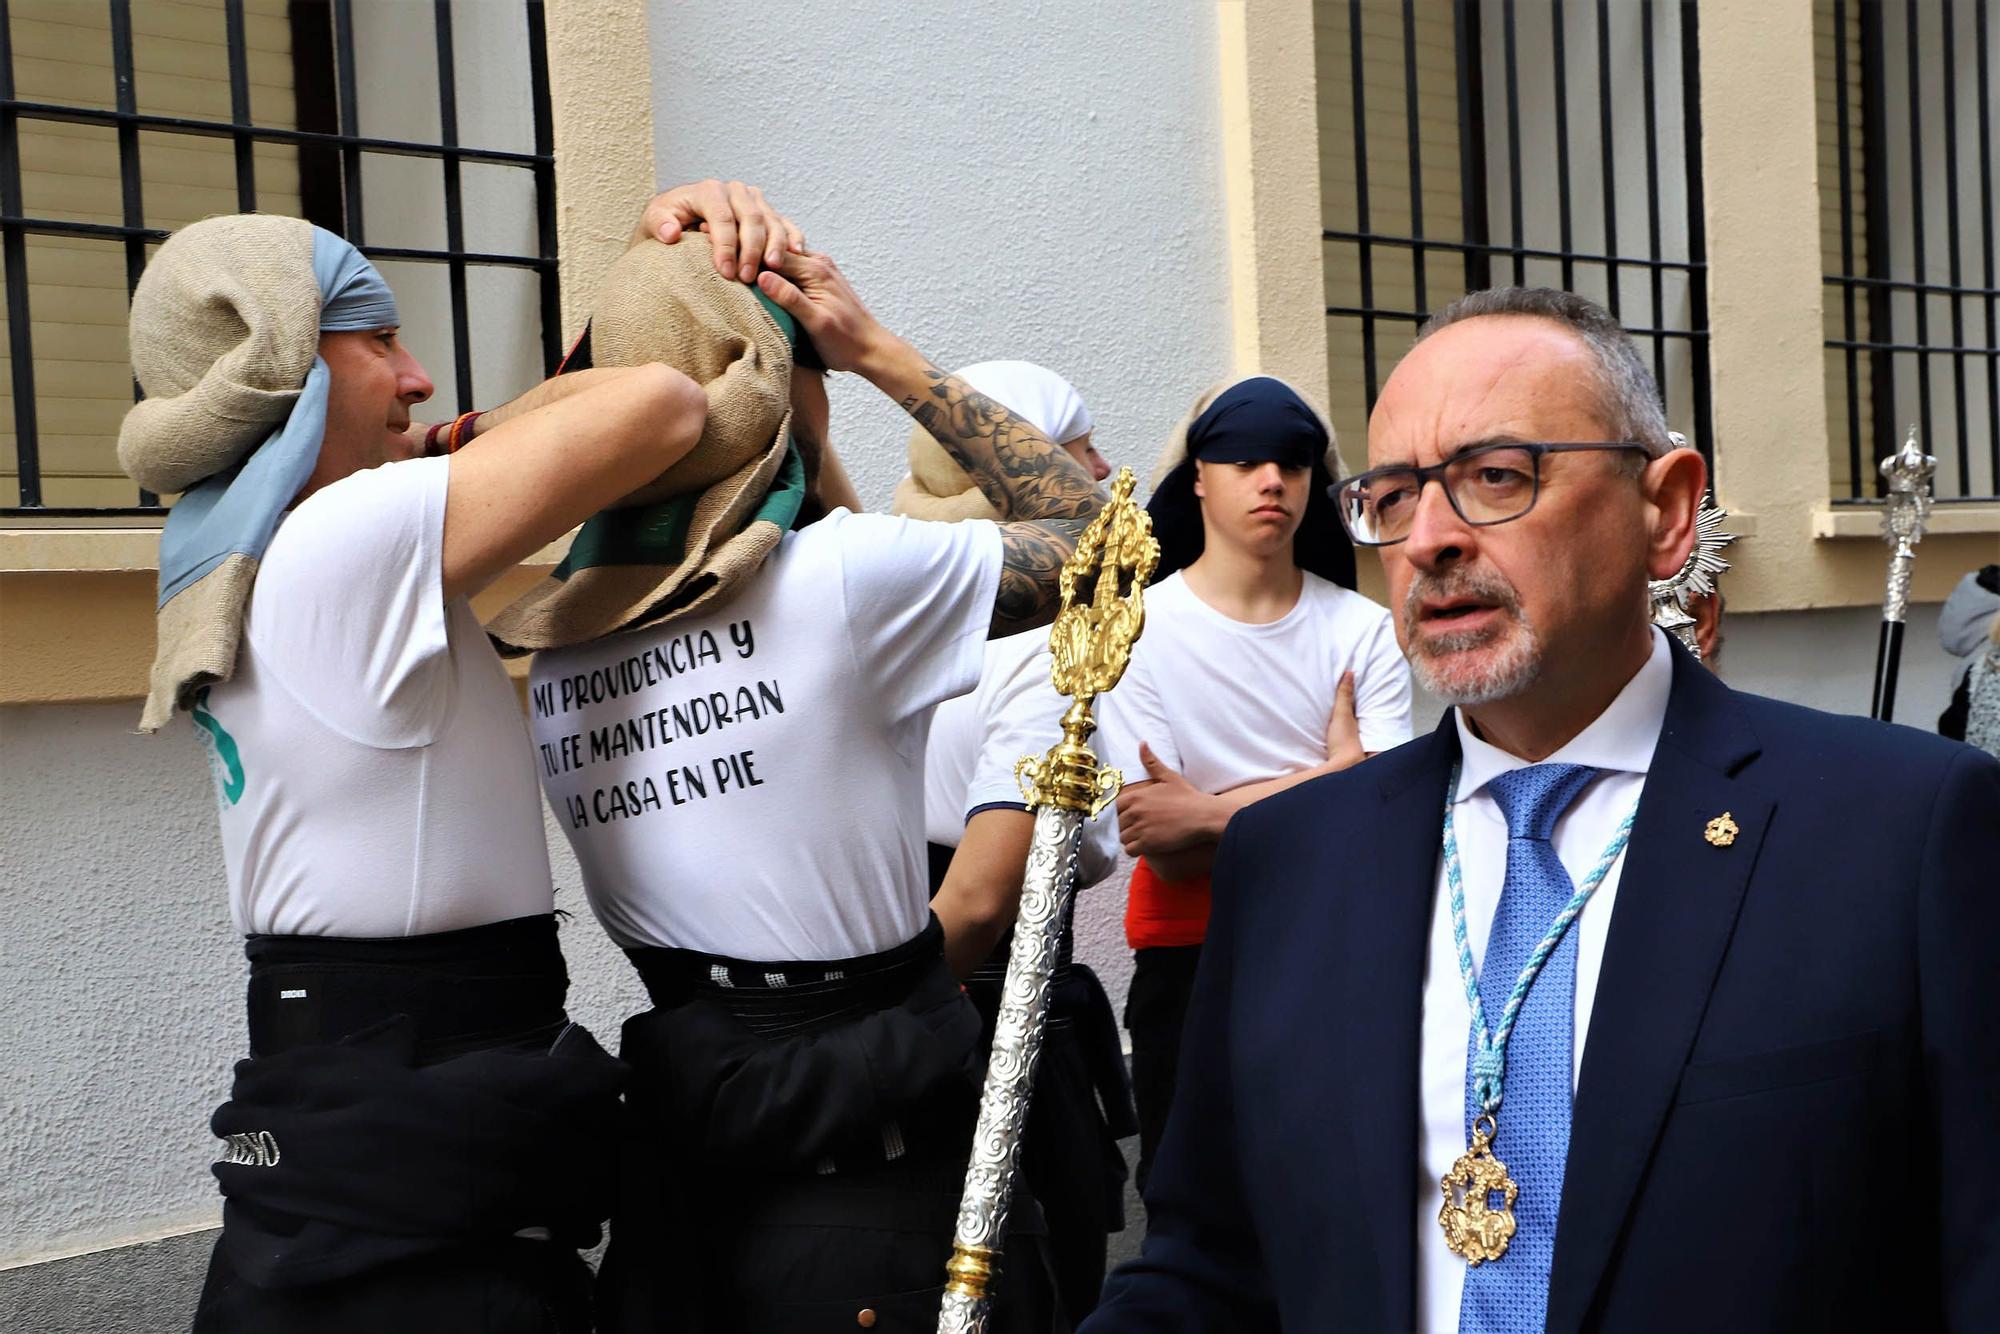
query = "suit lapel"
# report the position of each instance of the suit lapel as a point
(1677, 903)
(1387, 924)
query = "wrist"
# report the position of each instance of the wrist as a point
(890, 364)
(1215, 813)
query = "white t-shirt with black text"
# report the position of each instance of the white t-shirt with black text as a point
(1226, 702)
(978, 738)
(748, 782)
(371, 766)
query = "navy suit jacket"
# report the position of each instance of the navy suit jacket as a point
(1788, 1113)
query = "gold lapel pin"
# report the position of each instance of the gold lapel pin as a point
(1721, 831)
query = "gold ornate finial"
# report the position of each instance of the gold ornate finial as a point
(1091, 642)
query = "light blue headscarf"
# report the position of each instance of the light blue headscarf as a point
(236, 511)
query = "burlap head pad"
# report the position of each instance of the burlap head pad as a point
(686, 541)
(224, 328)
(937, 488)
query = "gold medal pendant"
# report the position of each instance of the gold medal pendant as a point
(1474, 1230)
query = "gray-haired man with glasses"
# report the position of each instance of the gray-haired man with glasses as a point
(1593, 1009)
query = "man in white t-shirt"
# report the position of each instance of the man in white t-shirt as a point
(979, 829)
(380, 822)
(1257, 671)
(743, 787)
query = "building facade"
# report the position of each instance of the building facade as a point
(1790, 202)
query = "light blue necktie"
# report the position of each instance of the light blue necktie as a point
(1511, 1295)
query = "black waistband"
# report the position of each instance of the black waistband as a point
(782, 998)
(494, 985)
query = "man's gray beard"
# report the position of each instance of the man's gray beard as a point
(1431, 658)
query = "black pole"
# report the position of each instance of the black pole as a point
(1888, 654)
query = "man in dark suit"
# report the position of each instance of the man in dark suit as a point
(1753, 1080)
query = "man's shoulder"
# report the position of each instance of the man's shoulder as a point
(345, 511)
(1838, 745)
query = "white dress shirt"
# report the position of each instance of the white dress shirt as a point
(1621, 743)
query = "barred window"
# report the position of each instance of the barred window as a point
(122, 120)
(1470, 143)
(1908, 120)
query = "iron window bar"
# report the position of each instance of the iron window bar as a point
(1886, 309)
(328, 112)
(1479, 253)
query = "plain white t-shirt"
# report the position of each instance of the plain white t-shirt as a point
(1228, 703)
(976, 740)
(371, 767)
(749, 782)
(1620, 742)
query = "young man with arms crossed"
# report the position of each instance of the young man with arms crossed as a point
(1257, 671)
(379, 819)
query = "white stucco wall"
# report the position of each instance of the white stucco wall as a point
(1000, 179)
(123, 980)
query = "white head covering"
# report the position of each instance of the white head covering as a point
(937, 488)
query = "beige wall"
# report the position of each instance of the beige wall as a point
(1271, 161)
(601, 86)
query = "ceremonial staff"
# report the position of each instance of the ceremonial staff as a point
(1908, 472)
(1091, 642)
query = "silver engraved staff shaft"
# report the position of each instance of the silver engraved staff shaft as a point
(1090, 643)
(1908, 472)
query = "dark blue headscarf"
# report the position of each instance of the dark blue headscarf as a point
(1255, 420)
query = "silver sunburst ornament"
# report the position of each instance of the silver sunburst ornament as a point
(1697, 577)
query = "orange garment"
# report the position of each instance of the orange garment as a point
(1160, 912)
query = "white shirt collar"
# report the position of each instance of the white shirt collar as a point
(1621, 739)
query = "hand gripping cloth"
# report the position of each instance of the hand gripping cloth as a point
(686, 541)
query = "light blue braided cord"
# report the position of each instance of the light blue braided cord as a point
(1489, 1062)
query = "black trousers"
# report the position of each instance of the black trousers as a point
(410, 1108)
(795, 1150)
(1155, 1012)
(518, 1286)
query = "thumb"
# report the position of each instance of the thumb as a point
(783, 291)
(1343, 731)
(1156, 769)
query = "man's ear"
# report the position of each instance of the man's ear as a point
(1673, 485)
(1198, 492)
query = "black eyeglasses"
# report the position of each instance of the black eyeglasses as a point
(1486, 485)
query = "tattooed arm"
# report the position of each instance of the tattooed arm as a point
(1049, 495)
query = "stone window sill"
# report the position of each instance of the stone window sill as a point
(116, 550)
(1864, 520)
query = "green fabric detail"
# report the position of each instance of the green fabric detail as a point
(657, 534)
(779, 316)
(221, 746)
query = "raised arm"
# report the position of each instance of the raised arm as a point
(1050, 495)
(556, 456)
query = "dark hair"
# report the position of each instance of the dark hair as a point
(1626, 392)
